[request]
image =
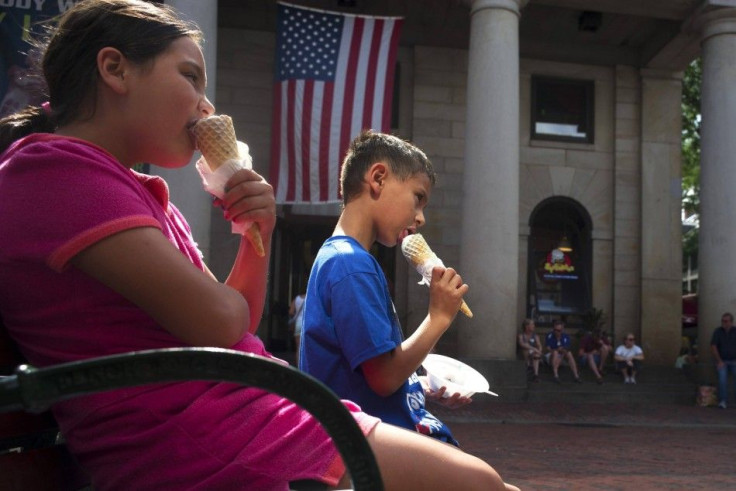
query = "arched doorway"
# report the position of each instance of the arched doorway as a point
(560, 256)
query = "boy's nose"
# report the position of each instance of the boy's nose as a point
(420, 219)
(207, 108)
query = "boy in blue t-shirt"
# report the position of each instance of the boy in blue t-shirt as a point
(351, 337)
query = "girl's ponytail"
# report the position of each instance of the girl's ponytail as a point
(23, 123)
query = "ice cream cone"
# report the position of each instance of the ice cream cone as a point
(418, 253)
(216, 140)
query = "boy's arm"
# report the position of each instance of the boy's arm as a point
(386, 373)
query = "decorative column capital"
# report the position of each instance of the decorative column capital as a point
(714, 22)
(513, 6)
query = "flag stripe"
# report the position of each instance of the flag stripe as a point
(370, 88)
(390, 69)
(306, 139)
(291, 156)
(350, 76)
(380, 78)
(333, 78)
(363, 58)
(315, 132)
(299, 111)
(325, 180)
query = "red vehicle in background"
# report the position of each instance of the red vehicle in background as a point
(690, 317)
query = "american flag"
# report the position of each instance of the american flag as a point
(334, 78)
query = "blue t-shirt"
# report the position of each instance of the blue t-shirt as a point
(349, 318)
(554, 343)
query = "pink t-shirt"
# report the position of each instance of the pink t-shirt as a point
(60, 195)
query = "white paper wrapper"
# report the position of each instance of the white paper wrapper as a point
(214, 182)
(425, 269)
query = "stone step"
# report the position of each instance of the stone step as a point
(508, 378)
(655, 384)
(669, 390)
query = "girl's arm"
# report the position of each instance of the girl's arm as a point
(250, 197)
(144, 267)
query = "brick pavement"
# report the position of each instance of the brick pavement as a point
(556, 446)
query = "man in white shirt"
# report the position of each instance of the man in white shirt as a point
(628, 358)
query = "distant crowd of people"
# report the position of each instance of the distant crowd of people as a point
(593, 351)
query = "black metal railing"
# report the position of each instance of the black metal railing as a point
(36, 389)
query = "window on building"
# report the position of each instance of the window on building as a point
(562, 109)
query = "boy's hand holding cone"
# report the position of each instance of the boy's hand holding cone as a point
(223, 156)
(417, 252)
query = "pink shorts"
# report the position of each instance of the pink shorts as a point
(200, 436)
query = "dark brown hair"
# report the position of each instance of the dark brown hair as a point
(404, 159)
(68, 57)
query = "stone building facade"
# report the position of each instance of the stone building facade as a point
(469, 72)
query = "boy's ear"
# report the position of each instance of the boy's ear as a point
(112, 66)
(376, 176)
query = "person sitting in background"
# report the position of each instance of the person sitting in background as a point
(296, 319)
(628, 358)
(593, 352)
(558, 345)
(531, 347)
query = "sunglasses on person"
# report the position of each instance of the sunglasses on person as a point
(629, 339)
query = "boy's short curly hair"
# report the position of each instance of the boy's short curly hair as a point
(404, 159)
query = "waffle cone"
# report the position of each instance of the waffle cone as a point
(466, 310)
(216, 140)
(417, 252)
(416, 249)
(215, 136)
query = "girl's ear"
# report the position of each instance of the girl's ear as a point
(376, 177)
(112, 66)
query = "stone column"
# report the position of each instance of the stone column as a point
(717, 246)
(184, 184)
(661, 227)
(490, 228)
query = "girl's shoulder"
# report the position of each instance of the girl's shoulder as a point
(58, 155)
(39, 143)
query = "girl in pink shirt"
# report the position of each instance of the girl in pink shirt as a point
(95, 260)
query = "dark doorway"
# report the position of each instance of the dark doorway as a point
(559, 262)
(297, 239)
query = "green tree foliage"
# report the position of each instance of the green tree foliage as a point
(691, 149)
